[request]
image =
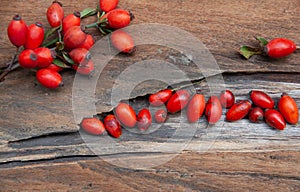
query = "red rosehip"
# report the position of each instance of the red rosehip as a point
(280, 47)
(274, 119)
(55, 14)
(287, 106)
(238, 111)
(256, 114)
(70, 21)
(112, 126)
(195, 108)
(108, 5)
(84, 69)
(213, 110)
(160, 97)
(74, 37)
(261, 99)
(227, 99)
(28, 59)
(49, 78)
(122, 41)
(17, 31)
(79, 54)
(178, 101)
(88, 43)
(160, 116)
(35, 36)
(54, 67)
(119, 18)
(126, 115)
(92, 126)
(144, 119)
(44, 57)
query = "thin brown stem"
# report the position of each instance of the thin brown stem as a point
(10, 66)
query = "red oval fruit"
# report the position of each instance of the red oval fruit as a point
(74, 37)
(54, 67)
(85, 69)
(88, 43)
(213, 110)
(79, 54)
(108, 5)
(195, 108)
(178, 101)
(35, 36)
(144, 119)
(160, 116)
(49, 78)
(227, 99)
(71, 21)
(17, 31)
(119, 18)
(28, 59)
(112, 126)
(55, 14)
(256, 114)
(44, 57)
(92, 126)
(238, 111)
(261, 99)
(280, 47)
(287, 106)
(274, 119)
(125, 114)
(122, 41)
(160, 97)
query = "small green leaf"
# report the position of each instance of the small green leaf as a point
(88, 12)
(53, 41)
(50, 32)
(67, 58)
(247, 51)
(262, 40)
(60, 63)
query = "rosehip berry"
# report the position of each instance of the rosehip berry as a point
(84, 69)
(195, 108)
(287, 106)
(79, 54)
(261, 99)
(144, 119)
(74, 37)
(55, 14)
(70, 21)
(49, 78)
(160, 97)
(213, 110)
(112, 126)
(119, 18)
(108, 5)
(227, 99)
(54, 67)
(280, 47)
(238, 111)
(126, 115)
(17, 31)
(256, 114)
(44, 57)
(178, 101)
(28, 59)
(274, 119)
(160, 116)
(88, 43)
(122, 41)
(35, 36)
(92, 126)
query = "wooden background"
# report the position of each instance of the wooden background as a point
(41, 148)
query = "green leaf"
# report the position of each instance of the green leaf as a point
(262, 40)
(88, 12)
(50, 32)
(67, 58)
(53, 41)
(247, 51)
(60, 63)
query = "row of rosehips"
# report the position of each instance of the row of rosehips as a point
(262, 108)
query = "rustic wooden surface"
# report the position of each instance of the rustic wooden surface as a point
(41, 148)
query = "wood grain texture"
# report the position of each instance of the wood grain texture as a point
(41, 148)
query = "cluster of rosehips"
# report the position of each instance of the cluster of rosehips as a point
(260, 106)
(276, 48)
(69, 48)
